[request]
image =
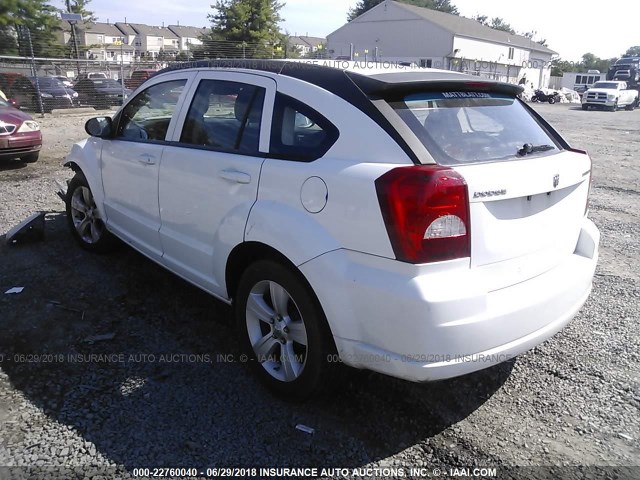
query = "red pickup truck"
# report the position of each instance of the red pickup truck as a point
(138, 77)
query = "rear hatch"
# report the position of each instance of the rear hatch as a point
(527, 190)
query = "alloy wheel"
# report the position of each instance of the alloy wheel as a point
(276, 331)
(86, 217)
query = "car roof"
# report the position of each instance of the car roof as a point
(372, 78)
(359, 83)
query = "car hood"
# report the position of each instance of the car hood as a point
(13, 115)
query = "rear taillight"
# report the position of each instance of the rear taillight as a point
(589, 172)
(426, 212)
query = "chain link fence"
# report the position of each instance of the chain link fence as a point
(53, 81)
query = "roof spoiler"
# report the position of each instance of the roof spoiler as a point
(378, 87)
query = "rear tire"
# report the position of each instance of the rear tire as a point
(84, 219)
(283, 331)
(552, 100)
(31, 158)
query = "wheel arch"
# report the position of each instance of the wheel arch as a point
(84, 158)
(247, 253)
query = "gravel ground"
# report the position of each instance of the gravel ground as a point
(162, 389)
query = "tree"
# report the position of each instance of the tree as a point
(246, 21)
(589, 62)
(365, 5)
(532, 35)
(592, 62)
(498, 23)
(559, 67)
(483, 19)
(39, 17)
(8, 43)
(632, 52)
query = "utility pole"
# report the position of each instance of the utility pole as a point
(34, 71)
(122, 69)
(72, 19)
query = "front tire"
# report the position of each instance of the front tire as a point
(585, 107)
(84, 218)
(31, 158)
(552, 100)
(283, 330)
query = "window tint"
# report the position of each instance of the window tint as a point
(472, 127)
(299, 132)
(226, 116)
(148, 115)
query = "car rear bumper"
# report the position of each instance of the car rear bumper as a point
(441, 323)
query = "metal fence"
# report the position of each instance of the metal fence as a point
(25, 78)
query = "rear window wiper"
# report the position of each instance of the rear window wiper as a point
(529, 148)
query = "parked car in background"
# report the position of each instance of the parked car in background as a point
(66, 81)
(611, 95)
(580, 89)
(138, 77)
(60, 96)
(424, 224)
(91, 75)
(22, 94)
(101, 92)
(20, 135)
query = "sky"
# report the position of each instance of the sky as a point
(571, 27)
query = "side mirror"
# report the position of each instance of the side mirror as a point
(100, 127)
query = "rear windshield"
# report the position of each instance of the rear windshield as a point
(473, 127)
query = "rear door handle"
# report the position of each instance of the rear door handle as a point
(235, 176)
(147, 159)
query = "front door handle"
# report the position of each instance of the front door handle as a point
(235, 176)
(147, 159)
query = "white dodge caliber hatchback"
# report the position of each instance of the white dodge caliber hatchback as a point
(420, 223)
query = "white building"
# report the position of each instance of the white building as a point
(393, 31)
(306, 45)
(573, 80)
(188, 37)
(99, 41)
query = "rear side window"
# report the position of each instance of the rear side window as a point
(225, 116)
(299, 132)
(473, 127)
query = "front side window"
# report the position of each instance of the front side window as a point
(299, 132)
(148, 115)
(473, 127)
(225, 116)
